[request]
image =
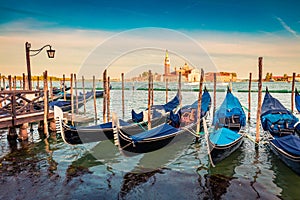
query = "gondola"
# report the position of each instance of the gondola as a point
(66, 106)
(79, 135)
(281, 130)
(98, 93)
(56, 90)
(297, 100)
(182, 124)
(228, 128)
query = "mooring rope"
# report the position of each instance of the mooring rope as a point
(194, 133)
(206, 137)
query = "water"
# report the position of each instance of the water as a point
(48, 168)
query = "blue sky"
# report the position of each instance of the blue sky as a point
(233, 15)
(232, 32)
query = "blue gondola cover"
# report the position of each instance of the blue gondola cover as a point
(231, 106)
(297, 101)
(275, 117)
(223, 136)
(289, 143)
(163, 130)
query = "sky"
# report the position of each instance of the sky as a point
(129, 36)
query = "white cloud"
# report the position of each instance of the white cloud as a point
(286, 27)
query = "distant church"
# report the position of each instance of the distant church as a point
(188, 73)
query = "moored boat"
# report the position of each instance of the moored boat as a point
(228, 133)
(281, 130)
(105, 131)
(181, 126)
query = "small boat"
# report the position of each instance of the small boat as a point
(297, 100)
(281, 130)
(105, 131)
(228, 133)
(99, 94)
(181, 125)
(56, 90)
(66, 106)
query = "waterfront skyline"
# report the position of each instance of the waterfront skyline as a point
(234, 34)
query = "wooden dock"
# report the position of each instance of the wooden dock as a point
(21, 106)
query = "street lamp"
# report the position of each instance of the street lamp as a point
(50, 54)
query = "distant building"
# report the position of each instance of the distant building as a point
(221, 76)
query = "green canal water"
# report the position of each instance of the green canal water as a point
(46, 168)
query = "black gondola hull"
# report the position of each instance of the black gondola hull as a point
(291, 161)
(219, 153)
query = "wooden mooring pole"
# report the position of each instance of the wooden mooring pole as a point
(84, 99)
(46, 110)
(259, 98)
(179, 90)
(76, 93)
(215, 92)
(9, 82)
(152, 90)
(167, 90)
(72, 99)
(51, 89)
(38, 83)
(94, 96)
(123, 96)
(24, 81)
(293, 92)
(104, 94)
(15, 82)
(108, 99)
(149, 100)
(249, 97)
(64, 85)
(199, 102)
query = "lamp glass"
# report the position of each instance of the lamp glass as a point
(51, 53)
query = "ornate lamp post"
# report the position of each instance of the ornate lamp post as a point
(50, 53)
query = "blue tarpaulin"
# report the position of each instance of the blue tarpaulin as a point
(163, 130)
(223, 136)
(157, 110)
(275, 117)
(231, 106)
(297, 101)
(289, 143)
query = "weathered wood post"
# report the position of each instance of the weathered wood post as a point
(108, 98)
(38, 83)
(149, 100)
(152, 90)
(293, 92)
(24, 81)
(249, 97)
(94, 96)
(123, 96)
(84, 99)
(76, 93)
(51, 89)
(72, 99)
(4, 85)
(199, 102)
(259, 98)
(64, 85)
(15, 82)
(167, 90)
(104, 94)
(179, 90)
(215, 93)
(9, 82)
(0, 81)
(46, 110)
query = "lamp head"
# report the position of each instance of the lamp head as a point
(50, 53)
